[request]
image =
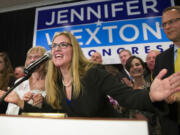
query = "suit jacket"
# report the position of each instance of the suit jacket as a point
(166, 60)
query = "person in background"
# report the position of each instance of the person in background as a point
(136, 68)
(96, 57)
(124, 74)
(167, 59)
(150, 62)
(19, 72)
(33, 89)
(78, 87)
(6, 76)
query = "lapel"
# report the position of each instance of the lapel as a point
(170, 62)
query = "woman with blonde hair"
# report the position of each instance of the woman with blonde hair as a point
(79, 87)
(33, 89)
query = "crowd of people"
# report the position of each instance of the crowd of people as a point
(72, 84)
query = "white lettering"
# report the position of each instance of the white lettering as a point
(52, 19)
(152, 7)
(106, 11)
(156, 33)
(75, 13)
(93, 36)
(130, 8)
(48, 39)
(95, 13)
(121, 32)
(109, 28)
(61, 16)
(115, 9)
(77, 37)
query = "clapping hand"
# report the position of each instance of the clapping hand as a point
(161, 89)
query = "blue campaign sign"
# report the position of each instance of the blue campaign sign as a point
(106, 26)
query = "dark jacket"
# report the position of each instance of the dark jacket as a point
(166, 60)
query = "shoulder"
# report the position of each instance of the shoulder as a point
(166, 53)
(24, 86)
(98, 66)
(96, 72)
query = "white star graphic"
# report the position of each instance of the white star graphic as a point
(98, 23)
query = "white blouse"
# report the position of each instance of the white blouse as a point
(21, 89)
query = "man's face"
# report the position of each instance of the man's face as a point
(171, 24)
(18, 72)
(150, 60)
(96, 57)
(124, 56)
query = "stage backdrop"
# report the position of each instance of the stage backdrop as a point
(106, 26)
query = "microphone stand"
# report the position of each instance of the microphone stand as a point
(15, 85)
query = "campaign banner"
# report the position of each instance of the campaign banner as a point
(106, 26)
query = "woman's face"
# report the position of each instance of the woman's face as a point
(62, 52)
(2, 64)
(33, 56)
(136, 69)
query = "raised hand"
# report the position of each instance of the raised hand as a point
(161, 89)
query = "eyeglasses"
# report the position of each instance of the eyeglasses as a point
(63, 45)
(170, 22)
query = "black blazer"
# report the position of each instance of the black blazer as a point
(166, 60)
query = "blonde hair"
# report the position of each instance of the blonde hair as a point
(37, 49)
(78, 68)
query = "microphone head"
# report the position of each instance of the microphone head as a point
(48, 54)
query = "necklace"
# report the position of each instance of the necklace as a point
(66, 84)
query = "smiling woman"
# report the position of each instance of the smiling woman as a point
(136, 68)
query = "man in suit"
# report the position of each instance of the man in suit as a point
(150, 62)
(124, 74)
(171, 27)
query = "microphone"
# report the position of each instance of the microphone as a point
(33, 66)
